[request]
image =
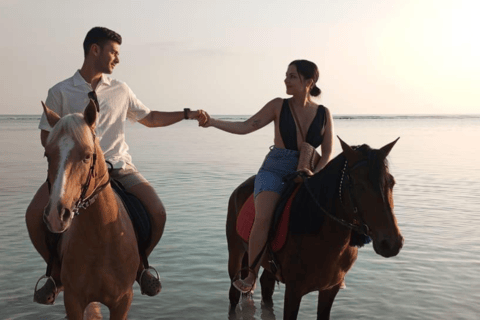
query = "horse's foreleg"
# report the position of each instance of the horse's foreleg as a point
(267, 281)
(73, 306)
(292, 302)
(119, 311)
(325, 302)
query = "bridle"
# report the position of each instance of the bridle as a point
(84, 202)
(362, 227)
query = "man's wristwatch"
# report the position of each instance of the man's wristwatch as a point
(185, 113)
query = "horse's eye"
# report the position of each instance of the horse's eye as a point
(87, 158)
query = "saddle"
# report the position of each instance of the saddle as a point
(280, 221)
(139, 217)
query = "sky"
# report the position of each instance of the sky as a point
(230, 57)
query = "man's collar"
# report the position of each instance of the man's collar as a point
(105, 80)
(78, 79)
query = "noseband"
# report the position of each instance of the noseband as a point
(84, 202)
(361, 228)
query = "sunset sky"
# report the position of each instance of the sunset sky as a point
(230, 57)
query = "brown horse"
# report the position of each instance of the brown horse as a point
(352, 195)
(98, 249)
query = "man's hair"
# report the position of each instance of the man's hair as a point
(99, 35)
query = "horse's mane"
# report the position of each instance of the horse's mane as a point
(327, 181)
(378, 172)
(75, 126)
(324, 186)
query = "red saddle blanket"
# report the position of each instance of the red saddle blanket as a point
(247, 216)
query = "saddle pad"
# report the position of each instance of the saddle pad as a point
(246, 217)
(137, 213)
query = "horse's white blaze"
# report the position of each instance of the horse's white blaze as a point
(65, 145)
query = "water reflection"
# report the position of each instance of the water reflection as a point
(246, 310)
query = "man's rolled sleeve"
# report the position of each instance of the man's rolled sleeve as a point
(136, 109)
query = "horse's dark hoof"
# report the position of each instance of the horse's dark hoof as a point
(149, 284)
(46, 294)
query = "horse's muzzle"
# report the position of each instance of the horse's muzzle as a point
(57, 221)
(388, 247)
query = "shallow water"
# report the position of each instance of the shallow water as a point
(194, 170)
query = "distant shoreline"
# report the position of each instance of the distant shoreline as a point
(31, 117)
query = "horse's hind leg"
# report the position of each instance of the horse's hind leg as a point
(325, 302)
(292, 302)
(267, 282)
(237, 256)
(236, 260)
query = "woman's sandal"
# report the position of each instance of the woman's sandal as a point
(238, 283)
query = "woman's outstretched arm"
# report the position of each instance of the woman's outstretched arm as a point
(255, 122)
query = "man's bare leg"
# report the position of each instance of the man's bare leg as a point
(39, 234)
(149, 284)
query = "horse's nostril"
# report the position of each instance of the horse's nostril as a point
(66, 215)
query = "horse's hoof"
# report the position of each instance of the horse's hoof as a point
(149, 284)
(46, 294)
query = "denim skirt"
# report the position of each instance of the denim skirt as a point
(278, 164)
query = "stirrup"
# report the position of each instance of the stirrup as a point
(141, 277)
(36, 287)
(237, 277)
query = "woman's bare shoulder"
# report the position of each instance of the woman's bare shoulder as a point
(275, 103)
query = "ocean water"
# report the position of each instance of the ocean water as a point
(194, 170)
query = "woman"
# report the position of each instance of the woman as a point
(316, 121)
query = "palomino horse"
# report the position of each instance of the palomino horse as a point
(98, 249)
(354, 195)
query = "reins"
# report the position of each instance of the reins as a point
(82, 202)
(362, 228)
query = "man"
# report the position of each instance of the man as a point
(116, 103)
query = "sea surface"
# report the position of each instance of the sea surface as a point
(436, 164)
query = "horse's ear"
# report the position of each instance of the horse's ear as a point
(90, 114)
(386, 149)
(347, 150)
(52, 117)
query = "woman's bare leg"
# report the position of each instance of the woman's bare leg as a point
(265, 204)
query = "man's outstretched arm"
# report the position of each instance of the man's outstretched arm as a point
(162, 119)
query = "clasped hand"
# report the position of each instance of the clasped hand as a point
(203, 118)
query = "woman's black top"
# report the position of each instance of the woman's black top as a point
(288, 129)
